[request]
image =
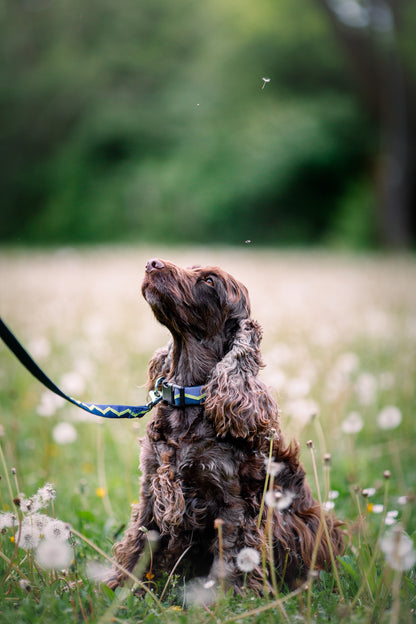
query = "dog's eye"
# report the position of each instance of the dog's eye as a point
(209, 280)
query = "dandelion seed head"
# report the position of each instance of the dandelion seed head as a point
(333, 494)
(353, 423)
(391, 517)
(200, 592)
(367, 492)
(398, 549)
(390, 417)
(29, 535)
(97, 571)
(328, 505)
(64, 433)
(366, 388)
(53, 554)
(7, 520)
(57, 530)
(248, 559)
(273, 468)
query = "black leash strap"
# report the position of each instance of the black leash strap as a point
(108, 411)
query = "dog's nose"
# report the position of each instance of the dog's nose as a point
(154, 265)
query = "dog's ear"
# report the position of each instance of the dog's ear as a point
(159, 365)
(237, 402)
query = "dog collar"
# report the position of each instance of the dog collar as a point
(177, 396)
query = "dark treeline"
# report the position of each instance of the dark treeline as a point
(150, 120)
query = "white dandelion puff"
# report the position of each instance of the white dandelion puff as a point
(29, 535)
(390, 417)
(398, 549)
(64, 433)
(248, 559)
(97, 571)
(57, 530)
(279, 500)
(7, 520)
(353, 423)
(53, 554)
(73, 383)
(377, 509)
(366, 389)
(273, 468)
(328, 505)
(200, 592)
(333, 494)
(47, 493)
(367, 492)
(391, 517)
(49, 404)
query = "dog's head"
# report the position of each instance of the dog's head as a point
(201, 303)
(209, 307)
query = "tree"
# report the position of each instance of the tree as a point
(377, 37)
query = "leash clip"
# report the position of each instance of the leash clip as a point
(155, 394)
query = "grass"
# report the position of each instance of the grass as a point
(339, 344)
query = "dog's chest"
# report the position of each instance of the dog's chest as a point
(192, 476)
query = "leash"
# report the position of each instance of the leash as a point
(177, 396)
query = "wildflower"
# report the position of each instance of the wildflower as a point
(64, 433)
(353, 423)
(7, 521)
(175, 608)
(57, 530)
(328, 505)
(333, 494)
(389, 418)
(265, 81)
(53, 554)
(248, 559)
(398, 549)
(101, 492)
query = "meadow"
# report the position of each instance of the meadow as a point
(339, 347)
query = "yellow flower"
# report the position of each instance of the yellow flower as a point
(370, 507)
(101, 492)
(175, 608)
(149, 575)
(12, 539)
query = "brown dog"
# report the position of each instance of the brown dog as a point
(209, 461)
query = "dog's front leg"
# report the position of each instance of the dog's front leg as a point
(128, 551)
(235, 535)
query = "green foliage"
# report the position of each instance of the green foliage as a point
(126, 121)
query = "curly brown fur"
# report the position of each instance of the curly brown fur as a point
(200, 463)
